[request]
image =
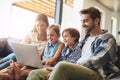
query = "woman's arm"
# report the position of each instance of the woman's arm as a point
(27, 39)
(41, 51)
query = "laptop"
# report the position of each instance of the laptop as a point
(27, 54)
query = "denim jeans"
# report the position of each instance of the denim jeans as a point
(5, 62)
(7, 58)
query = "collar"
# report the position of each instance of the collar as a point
(72, 47)
(52, 45)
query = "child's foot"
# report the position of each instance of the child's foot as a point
(4, 76)
(17, 71)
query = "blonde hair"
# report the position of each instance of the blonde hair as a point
(40, 17)
(55, 28)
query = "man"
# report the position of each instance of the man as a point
(98, 53)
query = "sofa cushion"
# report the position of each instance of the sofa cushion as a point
(118, 54)
(5, 47)
(116, 78)
(117, 63)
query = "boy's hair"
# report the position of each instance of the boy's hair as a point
(94, 13)
(73, 32)
(55, 28)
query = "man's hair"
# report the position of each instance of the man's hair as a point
(94, 13)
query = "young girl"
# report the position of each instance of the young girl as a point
(49, 54)
(70, 53)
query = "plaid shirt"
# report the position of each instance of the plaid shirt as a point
(71, 54)
(103, 57)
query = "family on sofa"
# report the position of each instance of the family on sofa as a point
(95, 56)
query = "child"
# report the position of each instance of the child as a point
(70, 53)
(49, 53)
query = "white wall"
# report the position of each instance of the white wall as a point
(16, 22)
(106, 23)
(12, 19)
(5, 14)
(93, 3)
(71, 16)
(22, 21)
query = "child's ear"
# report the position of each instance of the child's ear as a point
(74, 38)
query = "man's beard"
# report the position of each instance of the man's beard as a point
(90, 29)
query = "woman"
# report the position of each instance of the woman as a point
(49, 53)
(37, 36)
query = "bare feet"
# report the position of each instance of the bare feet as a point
(11, 73)
(5, 74)
(17, 71)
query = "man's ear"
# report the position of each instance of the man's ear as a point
(97, 20)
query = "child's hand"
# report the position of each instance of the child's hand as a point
(49, 68)
(43, 62)
(49, 61)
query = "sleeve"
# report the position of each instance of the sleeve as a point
(61, 58)
(102, 54)
(27, 39)
(76, 55)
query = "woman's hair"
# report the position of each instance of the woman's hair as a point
(55, 28)
(41, 17)
(73, 32)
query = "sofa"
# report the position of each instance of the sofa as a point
(6, 46)
(118, 63)
(4, 41)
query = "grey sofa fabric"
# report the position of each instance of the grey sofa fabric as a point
(5, 47)
(118, 63)
(116, 78)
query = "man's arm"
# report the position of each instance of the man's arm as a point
(105, 52)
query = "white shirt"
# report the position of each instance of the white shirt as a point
(86, 50)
